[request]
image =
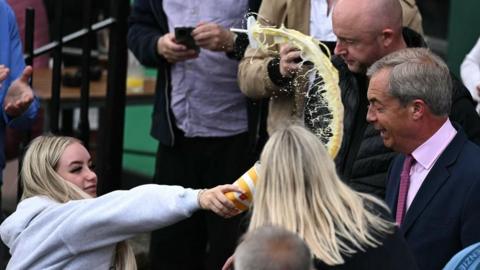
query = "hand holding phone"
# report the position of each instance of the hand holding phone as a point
(172, 51)
(183, 35)
(214, 37)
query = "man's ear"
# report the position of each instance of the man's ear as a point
(417, 108)
(387, 37)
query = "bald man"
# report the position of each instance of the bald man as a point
(366, 31)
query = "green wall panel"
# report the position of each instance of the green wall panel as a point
(464, 29)
(137, 137)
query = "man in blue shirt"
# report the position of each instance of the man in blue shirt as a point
(18, 103)
(199, 118)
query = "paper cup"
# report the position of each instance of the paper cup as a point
(247, 184)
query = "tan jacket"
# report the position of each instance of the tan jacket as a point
(253, 75)
(411, 16)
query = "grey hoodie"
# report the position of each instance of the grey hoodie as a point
(82, 234)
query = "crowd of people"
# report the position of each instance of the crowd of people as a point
(401, 194)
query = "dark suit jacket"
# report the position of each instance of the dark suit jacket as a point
(392, 254)
(444, 216)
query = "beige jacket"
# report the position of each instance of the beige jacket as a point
(411, 16)
(253, 75)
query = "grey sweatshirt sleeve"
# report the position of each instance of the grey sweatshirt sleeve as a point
(117, 216)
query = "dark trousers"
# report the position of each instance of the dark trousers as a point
(205, 240)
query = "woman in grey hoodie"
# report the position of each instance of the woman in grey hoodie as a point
(61, 224)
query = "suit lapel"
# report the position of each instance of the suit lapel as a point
(436, 178)
(434, 181)
(391, 195)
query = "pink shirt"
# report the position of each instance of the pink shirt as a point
(426, 155)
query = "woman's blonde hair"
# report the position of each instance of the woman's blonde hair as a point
(39, 178)
(299, 189)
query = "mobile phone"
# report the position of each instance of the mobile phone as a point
(183, 35)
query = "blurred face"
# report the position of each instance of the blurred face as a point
(358, 46)
(75, 166)
(391, 118)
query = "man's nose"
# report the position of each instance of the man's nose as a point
(339, 48)
(371, 116)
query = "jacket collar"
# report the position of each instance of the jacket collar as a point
(437, 177)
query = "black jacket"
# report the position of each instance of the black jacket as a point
(147, 23)
(363, 160)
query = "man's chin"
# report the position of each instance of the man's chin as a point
(355, 68)
(387, 143)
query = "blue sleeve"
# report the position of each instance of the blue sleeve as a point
(16, 64)
(146, 24)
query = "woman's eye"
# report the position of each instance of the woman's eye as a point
(76, 169)
(92, 166)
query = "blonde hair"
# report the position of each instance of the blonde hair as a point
(300, 191)
(39, 178)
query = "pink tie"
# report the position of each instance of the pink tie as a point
(403, 190)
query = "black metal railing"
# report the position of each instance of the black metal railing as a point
(110, 140)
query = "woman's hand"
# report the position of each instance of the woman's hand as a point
(214, 199)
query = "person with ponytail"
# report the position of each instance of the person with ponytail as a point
(60, 222)
(298, 189)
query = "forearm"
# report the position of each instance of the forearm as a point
(144, 33)
(253, 76)
(121, 214)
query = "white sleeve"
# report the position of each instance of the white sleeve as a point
(119, 215)
(470, 70)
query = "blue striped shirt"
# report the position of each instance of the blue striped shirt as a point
(206, 99)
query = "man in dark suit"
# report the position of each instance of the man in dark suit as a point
(433, 188)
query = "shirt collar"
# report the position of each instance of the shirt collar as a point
(427, 153)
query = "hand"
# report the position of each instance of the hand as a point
(213, 37)
(3, 73)
(214, 199)
(19, 95)
(289, 56)
(174, 52)
(229, 263)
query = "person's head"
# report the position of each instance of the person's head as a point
(366, 31)
(409, 97)
(58, 167)
(272, 248)
(298, 189)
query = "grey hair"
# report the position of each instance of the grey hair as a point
(417, 73)
(272, 248)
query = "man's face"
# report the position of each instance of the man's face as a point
(388, 115)
(357, 45)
